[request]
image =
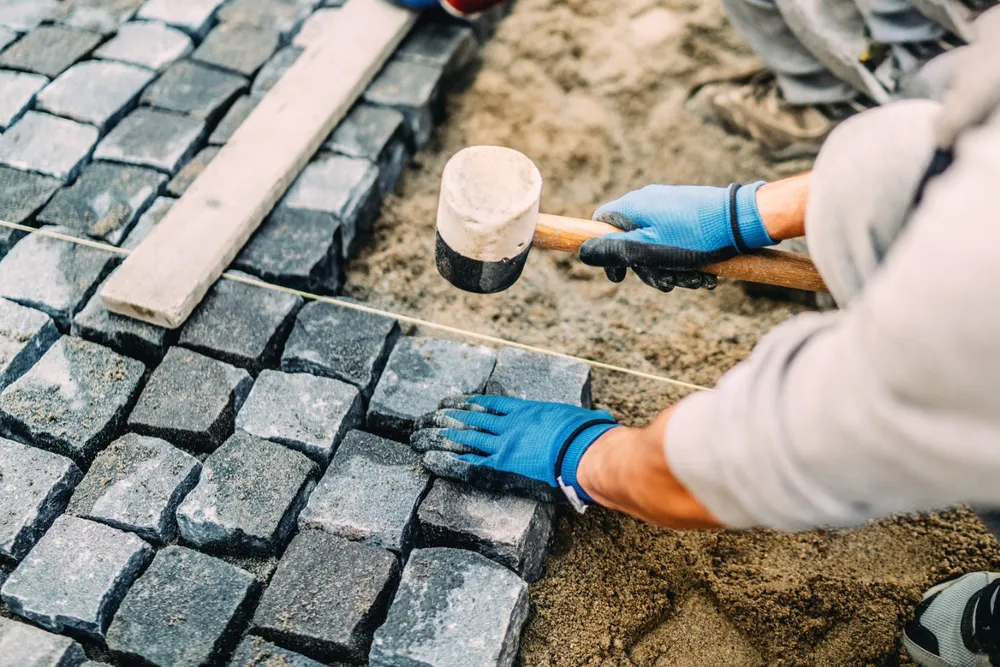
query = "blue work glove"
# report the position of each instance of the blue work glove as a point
(418, 4)
(540, 441)
(671, 231)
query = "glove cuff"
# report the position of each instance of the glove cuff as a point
(746, 218)
(572, 451)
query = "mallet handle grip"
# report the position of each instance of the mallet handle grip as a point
(769, 267)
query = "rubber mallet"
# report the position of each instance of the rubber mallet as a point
(488, 220)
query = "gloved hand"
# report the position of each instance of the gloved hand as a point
(541, 441)
(671, 231)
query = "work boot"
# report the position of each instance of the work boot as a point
(957, 624)
(756, 109)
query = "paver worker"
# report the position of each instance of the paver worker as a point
(888, 405)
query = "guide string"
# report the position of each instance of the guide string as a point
(376, 311)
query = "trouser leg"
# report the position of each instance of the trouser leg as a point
(802, 77)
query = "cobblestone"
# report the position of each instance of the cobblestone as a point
(152, 138)
(327, 597)
(345, 187)
(35, 486)
(299, 249)
(49, 50)
(377, 134)
(255, 652)
(25, 15)
(238, 112)
(307, 413)
(340, 343)
(183, 612)
(420, 373)
(46, 587)
(152, 217)
(23, 195)
(191, 400)
(22, 645)
(449, 46)
(136, 484)
(370, 493)
(95, 92)
(453, 608)
(249, 495)
(191, 171)
(444, 464)
(273, 70)
(125, 335)
(194, 17)
(285, 16)
(509, 530)
(414, 89)
(7, 37)
(105, 202)
(74, 400)
(314, 27)
(539, 377)
(151, 45)
(17, 94)
(25, 335)
(197, 90)
(101, 16)
(239, 48)
(47, 145)
(241, 324)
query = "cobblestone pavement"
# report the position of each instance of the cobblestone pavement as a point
(236, 492)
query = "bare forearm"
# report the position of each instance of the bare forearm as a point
(626, 470)
(782, 206)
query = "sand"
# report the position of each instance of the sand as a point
(595, 92)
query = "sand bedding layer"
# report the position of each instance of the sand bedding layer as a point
(594, 92)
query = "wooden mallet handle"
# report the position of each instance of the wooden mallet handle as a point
(768, 267)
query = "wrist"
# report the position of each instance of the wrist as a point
(576, 452)
(748, 217)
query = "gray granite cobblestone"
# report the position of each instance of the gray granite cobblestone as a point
(136, 484)
(538, 377)
(150, 219)
(420, 373)
(17, 93)
(285, 16)
(194, 89)
(377, 134)
(238, 112)
(151, 45)
(25, 15)
(35, 486)
(170, 408)
(345, 187)
(183, 612)
(54, 276)
(105, 201)
(307, 413)
(340, 343)
(255, 652)
(414, 89)
(49, 50)
(23, 645)
(452, 47)
(100, 16)
(23, 195)
(453, 609)
(152, 138)
(7, 37)
(74, 400)
(314, 27)
(186, 177)
(273, 70)
(25, 335)
(47, 145)
(47, 589)
(95, 92)
(370, 493)
(509, 530)
(248, 498)
(327, 597)
(298, 249)
(445, 464)
(238, 48)
(125, 335)
(195, 17)
(241, 324)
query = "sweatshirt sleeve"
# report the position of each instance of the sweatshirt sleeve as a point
(892, 405)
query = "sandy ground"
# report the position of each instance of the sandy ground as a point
(594, 92)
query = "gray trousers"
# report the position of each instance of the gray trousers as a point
(812, 46)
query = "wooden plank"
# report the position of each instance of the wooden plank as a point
(167, 276)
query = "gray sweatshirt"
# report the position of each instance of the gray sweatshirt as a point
(891, 404)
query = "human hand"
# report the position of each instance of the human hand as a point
(540, 441)
(669, 232)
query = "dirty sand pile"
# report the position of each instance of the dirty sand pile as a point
(594, 92)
